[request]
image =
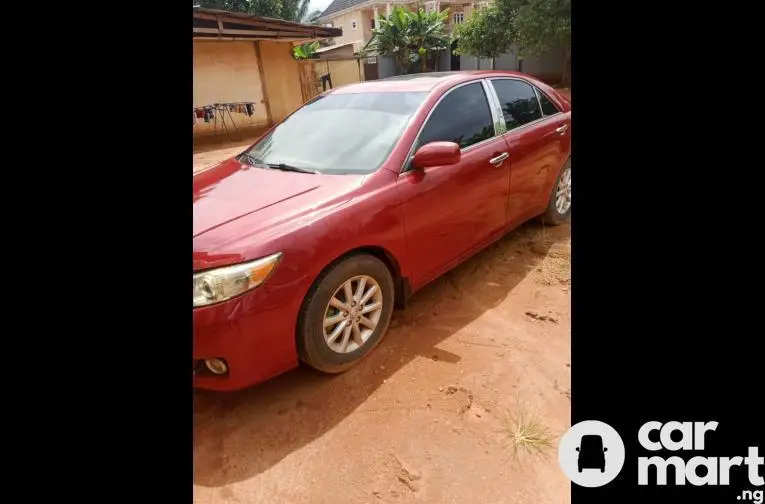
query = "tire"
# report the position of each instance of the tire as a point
(313, 348)
(552, 215)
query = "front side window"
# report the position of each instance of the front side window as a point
(340, 133)
(519, 102)
(458, 17)
(462, 116)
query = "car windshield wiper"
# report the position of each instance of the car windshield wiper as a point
(286, 167)
(274, 166)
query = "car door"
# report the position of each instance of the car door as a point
(448, 210)
(538, 140)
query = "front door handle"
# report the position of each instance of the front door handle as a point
(562, 129)
(497, 161)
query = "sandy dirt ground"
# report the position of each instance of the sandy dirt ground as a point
(433, 415)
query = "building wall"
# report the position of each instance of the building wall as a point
(367, 19)
(226, 72)
(346, 23)
(282, 78)
(344, 71)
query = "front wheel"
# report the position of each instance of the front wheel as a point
(345, 314)
(559, 207)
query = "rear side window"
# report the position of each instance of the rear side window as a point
(548, 107)
(519, 102)
(462, 117)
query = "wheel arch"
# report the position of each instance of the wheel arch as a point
(402, 286)
(401, 283)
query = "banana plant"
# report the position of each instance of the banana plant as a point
(305, 51)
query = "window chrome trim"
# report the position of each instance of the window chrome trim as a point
(500, 127)
(544, 117)
(492, 109)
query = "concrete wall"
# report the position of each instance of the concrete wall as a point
(548, 67)
(344, 71)
(282, 78)
(386, 67)
(227, 72)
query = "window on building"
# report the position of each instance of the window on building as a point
(372, 23)
(353, 25)
(458, 17)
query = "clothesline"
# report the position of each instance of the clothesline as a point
(238, 107)
(217, 113)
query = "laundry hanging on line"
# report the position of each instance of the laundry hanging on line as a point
(207, 112)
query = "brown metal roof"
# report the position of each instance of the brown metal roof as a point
(219, 24)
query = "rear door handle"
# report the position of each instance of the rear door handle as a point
(562, 129)
(497, 161)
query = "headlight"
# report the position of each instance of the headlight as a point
(224, 283)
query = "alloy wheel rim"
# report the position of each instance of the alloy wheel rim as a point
(352, 314)
(563, 193)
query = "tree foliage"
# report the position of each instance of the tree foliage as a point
(484, 35)
(290, 10)
(541, 24)
(534, 26)
(305, 51)
(410, 36)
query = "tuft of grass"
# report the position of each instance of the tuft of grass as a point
(527, 434)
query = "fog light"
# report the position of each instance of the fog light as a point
(216, 366)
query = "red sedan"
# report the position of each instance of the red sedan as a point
(304, 243)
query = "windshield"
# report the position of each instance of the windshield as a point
(339, 133)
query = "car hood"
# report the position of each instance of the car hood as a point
(232, 190)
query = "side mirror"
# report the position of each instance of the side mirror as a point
(577, 448)
(605, 449)
(436, 154)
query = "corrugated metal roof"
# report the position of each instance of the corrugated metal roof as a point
(338, 5)
(271, 23)
(332, 47)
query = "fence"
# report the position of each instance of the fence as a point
(334, 72)
(548, 67)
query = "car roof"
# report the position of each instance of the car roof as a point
(423, 82)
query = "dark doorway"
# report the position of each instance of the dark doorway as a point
(371, 71)
(455, 59)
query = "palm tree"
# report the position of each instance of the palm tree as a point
(295, 10)
(391, 38)
(408, 36)
(428, 34)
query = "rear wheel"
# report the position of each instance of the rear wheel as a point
(346, 313)
(559, 207)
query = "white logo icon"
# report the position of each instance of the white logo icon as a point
(591, 453)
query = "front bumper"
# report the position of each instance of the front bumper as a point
(253, 333)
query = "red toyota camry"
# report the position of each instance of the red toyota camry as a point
(304, 242)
